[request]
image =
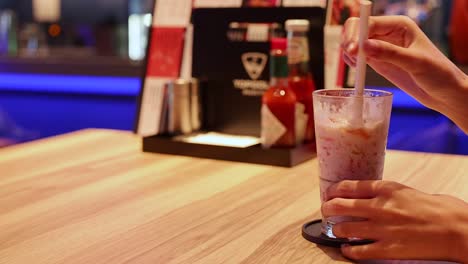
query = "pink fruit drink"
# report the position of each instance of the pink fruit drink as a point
(346, 150)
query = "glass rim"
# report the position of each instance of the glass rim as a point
(381, 93)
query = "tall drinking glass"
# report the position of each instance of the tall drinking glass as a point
(346, 149)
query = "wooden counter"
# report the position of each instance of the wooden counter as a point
(93, 197)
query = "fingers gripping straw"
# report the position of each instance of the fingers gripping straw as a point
(365, 11)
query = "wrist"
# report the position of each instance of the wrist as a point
(455, 108)
(463, 122)
(460, 238)
(464, 241)
(462, 256)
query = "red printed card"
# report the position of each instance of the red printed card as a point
(165, 53)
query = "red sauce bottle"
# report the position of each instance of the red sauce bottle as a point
(300, 78)
(279, 102)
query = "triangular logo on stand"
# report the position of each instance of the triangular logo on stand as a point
(254, 64)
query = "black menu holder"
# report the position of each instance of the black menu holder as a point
(231, 91)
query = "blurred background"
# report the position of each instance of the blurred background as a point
(75, 29)
(66, 65)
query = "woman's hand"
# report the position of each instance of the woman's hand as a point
(398, 50)
(404, 222)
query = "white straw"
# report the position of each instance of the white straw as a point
(363, 36)
(361, 60)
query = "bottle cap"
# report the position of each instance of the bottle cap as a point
(301, 25)
(279, 44)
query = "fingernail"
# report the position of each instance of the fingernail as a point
(351, 46)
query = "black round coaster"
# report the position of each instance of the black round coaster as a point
(312, 232)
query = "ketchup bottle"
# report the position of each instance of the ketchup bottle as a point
(300, 78)
(279, 101)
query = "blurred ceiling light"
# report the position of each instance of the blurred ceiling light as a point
(138, 26)
(46, 10)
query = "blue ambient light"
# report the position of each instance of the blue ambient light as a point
(123, 86)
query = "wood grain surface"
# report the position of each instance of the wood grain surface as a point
(94, 197)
